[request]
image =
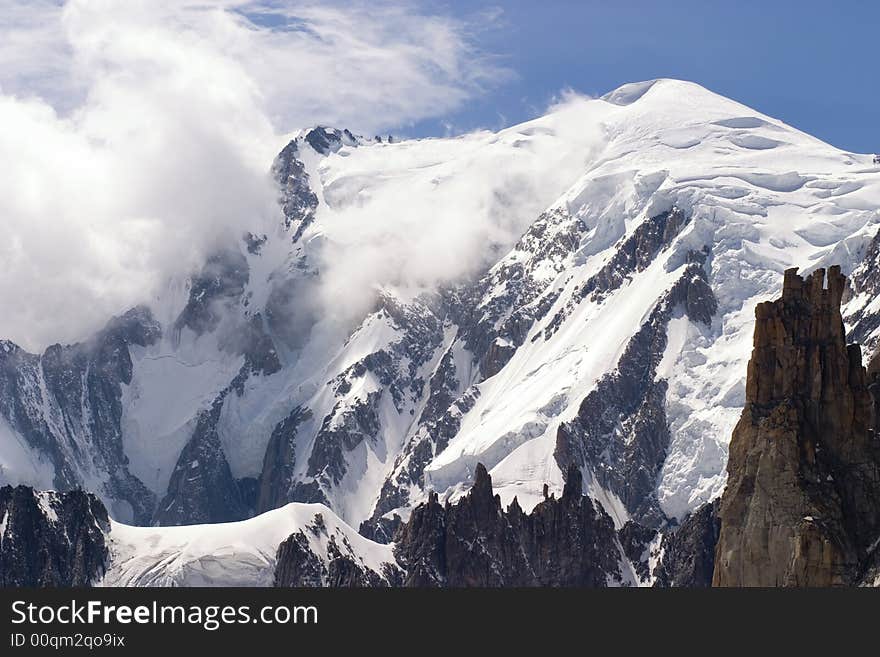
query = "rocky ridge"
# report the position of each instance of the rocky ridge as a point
(67, 404)
(568, 541)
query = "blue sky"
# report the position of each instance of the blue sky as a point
(811, 64)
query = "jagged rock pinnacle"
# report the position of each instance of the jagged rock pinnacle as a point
(574, 483)
(802, 503)
(474, 542)
(482, 482)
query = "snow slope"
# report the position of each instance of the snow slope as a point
(20, 463)
(229, 554)
(762, 196)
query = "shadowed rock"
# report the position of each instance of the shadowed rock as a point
(51, 539)
(621, 431)
(568, 541)
(688, 552)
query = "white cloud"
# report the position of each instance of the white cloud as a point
(136, 134)
(416, 215)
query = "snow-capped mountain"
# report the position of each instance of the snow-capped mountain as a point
(607, 261)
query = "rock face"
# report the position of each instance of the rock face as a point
(299, 566)
(861, 316)
(215, 289)
(475, 543)
(802, 503)
(296, 198)
(621, 430)
(318, 555)
(67, 405)
(51, 539)
(688, 552)
(201, 487)
(279, 461)
(497, 312)
(491, 317)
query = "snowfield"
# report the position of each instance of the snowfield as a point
(228, 554)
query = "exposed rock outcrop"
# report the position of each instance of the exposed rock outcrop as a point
(319, 555)
(298, 201)
(329, 140)
(341, 432)
(497, 312)
(864, 286)
(568, 541)
(214, 291)
(621, 431)
(802, 503)
(632, 255)
(687, 553)
(637, 541)
(51, 539)
(278, 463)
(202, 488)
(67, 405)
(388, 380)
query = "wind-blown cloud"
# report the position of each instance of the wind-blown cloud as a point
(413, 216)
(138, 134)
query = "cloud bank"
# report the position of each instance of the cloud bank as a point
(415, 215)
(136, 135)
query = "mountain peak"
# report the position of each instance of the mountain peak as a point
(629, 93)
(632, 92)
(325, 140)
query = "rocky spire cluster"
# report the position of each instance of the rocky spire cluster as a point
(802, 503)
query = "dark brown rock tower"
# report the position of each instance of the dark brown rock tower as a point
(802, 503)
